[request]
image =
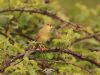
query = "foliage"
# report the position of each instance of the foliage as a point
(20, 20)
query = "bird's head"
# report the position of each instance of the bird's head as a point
(48, 26)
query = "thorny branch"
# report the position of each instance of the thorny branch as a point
(47, 13)
(19, 56)
(95, 36)
(44, 64)
(74, 26)
(54, 16)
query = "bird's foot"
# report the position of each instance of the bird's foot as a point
(42, 47)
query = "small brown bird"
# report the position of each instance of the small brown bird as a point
(44, 33)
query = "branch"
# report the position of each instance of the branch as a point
(82, 57)
(43, 12)
(25, 36)
(75, 27)
(95, 36)
(64, 61)
(5, 35)
(7, 64)
(44, 64)
(47, 13)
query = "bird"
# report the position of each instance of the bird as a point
(43, 35)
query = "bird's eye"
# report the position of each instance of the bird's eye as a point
(48, 24)
(47, 1)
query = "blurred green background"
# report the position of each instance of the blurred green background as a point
(70, 3)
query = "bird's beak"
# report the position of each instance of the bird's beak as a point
(52, 27)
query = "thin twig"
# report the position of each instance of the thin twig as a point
(86, 38)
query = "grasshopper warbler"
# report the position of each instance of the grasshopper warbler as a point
(44, 33)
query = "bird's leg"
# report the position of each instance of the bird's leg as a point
(42, 47)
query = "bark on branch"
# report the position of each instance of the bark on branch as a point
(76, 55)
(47, 13)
